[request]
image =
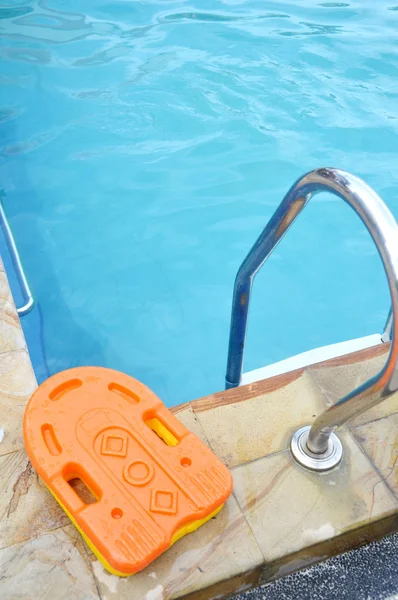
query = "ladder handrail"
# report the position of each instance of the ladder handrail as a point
(387, 331)
(29, 301)
(384, 231)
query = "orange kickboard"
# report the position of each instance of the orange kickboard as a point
(151, 479)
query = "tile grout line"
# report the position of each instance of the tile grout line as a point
(243, 463)
(254, 460)
(374, 467)
(351, 428)
(197, 420)
(233, 493)
(90, 566)
(318, 386)
(250, 528)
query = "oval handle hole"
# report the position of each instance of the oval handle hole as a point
(82, 490)
(124, 392)
(162, 432)
(65, 387)
(51, 440)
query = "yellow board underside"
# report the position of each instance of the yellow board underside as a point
(162, 431)
(184, 530)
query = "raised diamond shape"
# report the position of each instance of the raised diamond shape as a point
(164, 502)
(114, 445)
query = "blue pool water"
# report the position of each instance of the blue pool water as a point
(144, 145)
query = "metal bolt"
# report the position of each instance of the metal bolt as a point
(316, 462)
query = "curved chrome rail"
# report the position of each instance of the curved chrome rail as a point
(318, 444)
(387, 331)
(26, 291)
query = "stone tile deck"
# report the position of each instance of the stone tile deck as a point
(279, 518)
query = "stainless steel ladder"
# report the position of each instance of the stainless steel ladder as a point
(29, 301)
(318, 447)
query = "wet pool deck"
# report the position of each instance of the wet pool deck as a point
(280, 517)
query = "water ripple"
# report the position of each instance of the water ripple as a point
(13, 12)
(221, 18)
(143, 146)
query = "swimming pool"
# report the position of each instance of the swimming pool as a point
(145, 145)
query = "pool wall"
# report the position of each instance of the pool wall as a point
(279, 518)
